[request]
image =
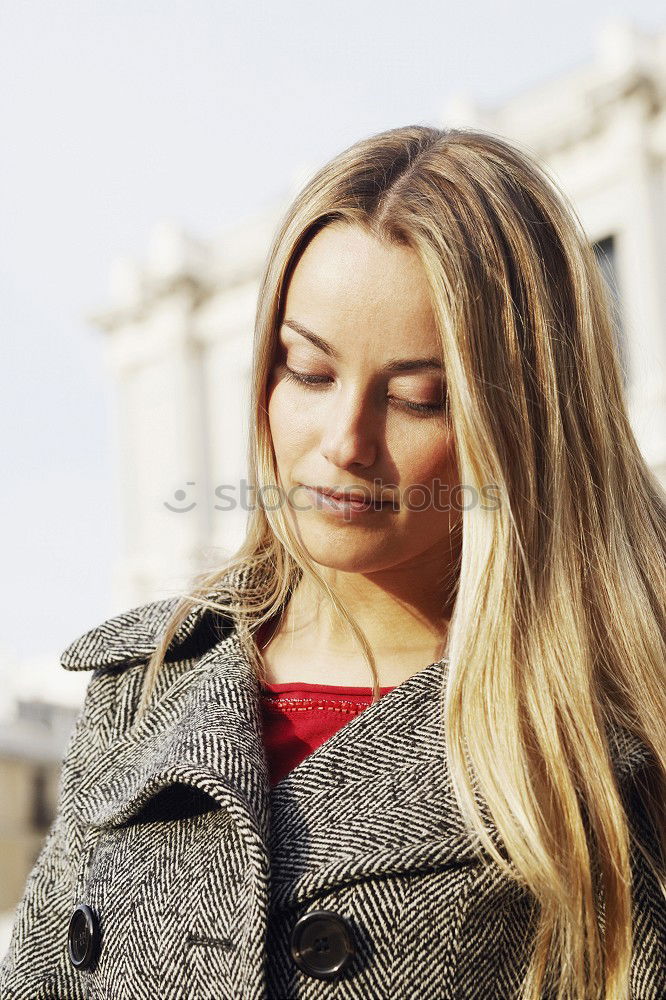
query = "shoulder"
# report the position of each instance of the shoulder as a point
(118, 649)
(630, 755)
(131, 637)
(123, 639)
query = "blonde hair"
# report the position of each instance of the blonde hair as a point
(558, 628)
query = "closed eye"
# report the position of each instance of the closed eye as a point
(312, 381)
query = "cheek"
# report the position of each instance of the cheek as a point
(288, 424)
(429, 461)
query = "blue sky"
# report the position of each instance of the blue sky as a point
(118, 115)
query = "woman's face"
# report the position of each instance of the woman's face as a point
(356, 312)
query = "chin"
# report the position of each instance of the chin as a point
(351, 556)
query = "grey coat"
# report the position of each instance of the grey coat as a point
(352, 878)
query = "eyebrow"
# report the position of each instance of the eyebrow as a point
(394, 365)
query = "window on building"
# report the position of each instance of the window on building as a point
(605, 252)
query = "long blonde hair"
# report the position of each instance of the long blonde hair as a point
(558, 628)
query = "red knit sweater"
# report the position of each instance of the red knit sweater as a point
(299, 717)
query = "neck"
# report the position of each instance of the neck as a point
(397, 614)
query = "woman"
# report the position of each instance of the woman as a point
(238, 818)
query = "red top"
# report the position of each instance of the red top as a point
(299, 717)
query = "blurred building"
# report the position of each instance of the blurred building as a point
(38, 707)
(179, 342)
(179, 339)
(32, 747)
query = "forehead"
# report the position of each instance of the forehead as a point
(348, 284)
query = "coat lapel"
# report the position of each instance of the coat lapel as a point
(374, 799)
(204, 732)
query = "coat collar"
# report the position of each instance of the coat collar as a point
(132, 636)
(376, 798)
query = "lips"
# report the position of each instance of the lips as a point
(351, 496)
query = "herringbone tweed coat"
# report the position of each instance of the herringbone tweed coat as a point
(197, 872)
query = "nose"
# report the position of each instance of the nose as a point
(349, 438)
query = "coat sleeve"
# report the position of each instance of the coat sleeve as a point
(36, 965)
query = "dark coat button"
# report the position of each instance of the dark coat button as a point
(322, 944)
(83, 937)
